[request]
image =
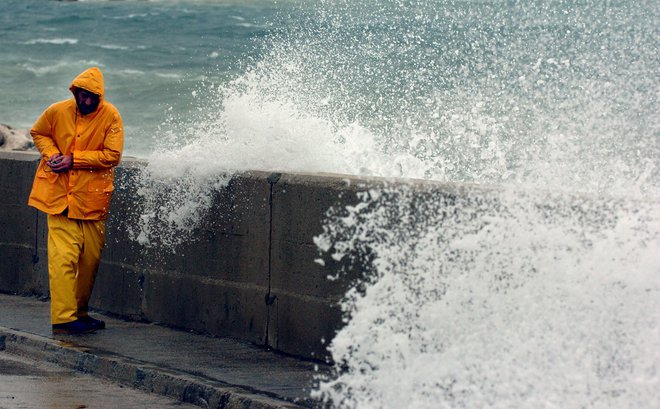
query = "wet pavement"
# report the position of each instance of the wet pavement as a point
(29, 384)
(206, 371)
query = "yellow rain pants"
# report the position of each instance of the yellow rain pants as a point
(74, 254)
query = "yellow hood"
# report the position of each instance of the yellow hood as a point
(91, 80)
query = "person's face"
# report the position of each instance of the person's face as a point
(87, 101)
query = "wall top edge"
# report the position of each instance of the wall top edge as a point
(347, 182)
(336, 180)
(20, 155)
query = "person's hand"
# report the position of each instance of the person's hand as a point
(60, 163)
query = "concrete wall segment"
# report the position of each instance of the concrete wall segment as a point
(217, 283)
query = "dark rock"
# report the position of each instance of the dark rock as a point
(12, 139)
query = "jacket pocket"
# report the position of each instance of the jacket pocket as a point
(97, 201)
(50, 176)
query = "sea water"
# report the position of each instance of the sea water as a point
(152, 53)
(536, 289)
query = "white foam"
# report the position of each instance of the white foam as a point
(47, 69)
(130, 72)
(513, 305)
(113, 46)
(57, 41)
(170, 75)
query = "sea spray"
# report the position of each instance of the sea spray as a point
(530, 299)
(443, 90)
(496, 299)
(541, 293)
(245, 130)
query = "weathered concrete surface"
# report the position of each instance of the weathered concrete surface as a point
(250, 274)
(206, 371)
(19, 226)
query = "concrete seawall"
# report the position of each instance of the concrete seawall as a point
(251, 275)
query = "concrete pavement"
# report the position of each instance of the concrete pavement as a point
(29, 384)
(205, 371)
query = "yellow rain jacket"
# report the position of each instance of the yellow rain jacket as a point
(96, 141)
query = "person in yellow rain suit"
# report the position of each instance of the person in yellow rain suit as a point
(81, 141)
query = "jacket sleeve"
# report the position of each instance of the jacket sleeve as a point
(42, 134)
(110, 155)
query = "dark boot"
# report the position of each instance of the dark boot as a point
(98, 324)
(73, 327)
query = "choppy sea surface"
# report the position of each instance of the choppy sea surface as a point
(543, 295)
(153, 54)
